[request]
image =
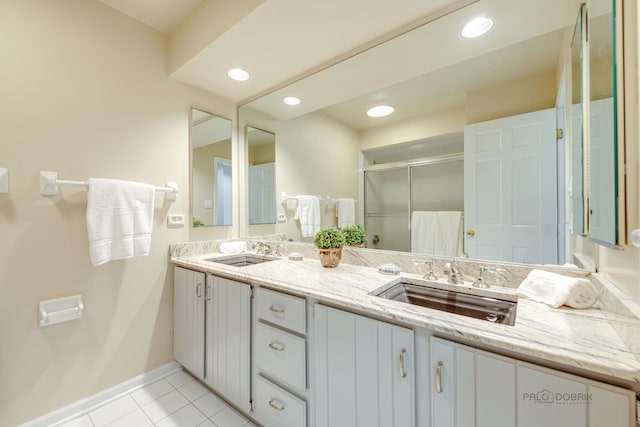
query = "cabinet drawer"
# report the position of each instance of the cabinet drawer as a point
(277, 408)
(281, 309)
(281, 355)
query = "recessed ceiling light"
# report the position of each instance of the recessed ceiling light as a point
(380, 110)
(238, 74)
(291, 100)
(477, 27)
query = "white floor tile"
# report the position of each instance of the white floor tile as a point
(249, 424)
(189, 416)
(152, 392)
(113, 410)
(229, 418)
(179, 379)
(134, 419)
(207, 423)
(165, 406)
(83, 421)
(193, 390)
(210, 404)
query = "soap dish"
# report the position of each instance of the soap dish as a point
(389, 269)
(295, 256)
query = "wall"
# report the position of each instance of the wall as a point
(86, 93)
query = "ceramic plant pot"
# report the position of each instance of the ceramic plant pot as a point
(330, 258)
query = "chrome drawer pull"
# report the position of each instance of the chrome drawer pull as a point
(276, 346)
(403, 368)
(439, 388)
(198, 290)
(276, 404)
(276, 310)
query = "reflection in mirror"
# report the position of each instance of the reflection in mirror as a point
(445, 85)
(578, 211)
(602, 124)
(210, 169)
(261, 148)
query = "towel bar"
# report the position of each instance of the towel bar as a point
(49, 185)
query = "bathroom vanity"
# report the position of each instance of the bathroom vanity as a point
(291, 343)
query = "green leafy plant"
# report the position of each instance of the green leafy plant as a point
(354, 235)
(329, 238)
(198, 223)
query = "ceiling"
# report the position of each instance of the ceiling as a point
(276, 41)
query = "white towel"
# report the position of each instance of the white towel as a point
(346, 212)
(308, 213)
(436, 232)
(119, 219)
(555, 289)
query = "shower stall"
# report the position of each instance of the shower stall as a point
(424, 176)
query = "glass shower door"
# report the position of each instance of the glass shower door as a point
(386, 211)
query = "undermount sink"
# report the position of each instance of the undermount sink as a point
(479, 307)
(241, 260)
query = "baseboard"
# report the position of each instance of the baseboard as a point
(84, 406)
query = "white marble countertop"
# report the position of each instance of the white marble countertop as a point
(593, 340)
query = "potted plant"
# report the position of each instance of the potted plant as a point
(354, 235)
(329, 241)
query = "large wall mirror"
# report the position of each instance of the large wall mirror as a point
(458, 103)
(210, 170)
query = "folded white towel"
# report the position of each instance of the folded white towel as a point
(308, 213)
(119, 219)
(346, 212)
(556, 290)
(233, 247)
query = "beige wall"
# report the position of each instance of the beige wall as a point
(261, 154)
(86, 93)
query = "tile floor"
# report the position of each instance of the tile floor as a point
(176, 400)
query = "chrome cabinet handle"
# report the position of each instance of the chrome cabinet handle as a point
(276, 404)
(198, 290)
(276, 346)
(403, 368)
(439, 388)
(276, 310)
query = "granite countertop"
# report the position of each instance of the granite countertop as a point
(591, 339)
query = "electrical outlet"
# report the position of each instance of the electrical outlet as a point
(175, 220)
(282, 217)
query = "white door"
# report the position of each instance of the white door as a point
(262, 194)
(188, 320)
(510, 189)
(363, 371)
(223, 190)
(228, 333)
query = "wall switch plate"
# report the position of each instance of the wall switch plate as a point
(175, 220)
(282, 217)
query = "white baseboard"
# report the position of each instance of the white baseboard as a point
(84, 406)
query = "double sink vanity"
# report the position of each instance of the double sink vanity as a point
(291, 343)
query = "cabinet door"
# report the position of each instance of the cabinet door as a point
(495, 390)
(550, 398)
(228, 313)
(188, 320)
(363, 371)
(610, 406)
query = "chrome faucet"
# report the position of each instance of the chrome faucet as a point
(479, 283)
(454, 275)
(429, 275)
(263, 248)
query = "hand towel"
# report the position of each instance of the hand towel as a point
(308, 213)
(119, 219)
(346, 212)
(556, 290)
(436, 232)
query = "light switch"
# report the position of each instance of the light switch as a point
(208, 204)
(282, 217)
(175, 220)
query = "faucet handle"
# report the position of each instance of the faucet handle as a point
(479, 283)
(429, 275)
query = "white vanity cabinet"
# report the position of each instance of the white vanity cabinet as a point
(280, 352)
(363, 371)
(471, 387)
(228, 336)
(188, 320)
